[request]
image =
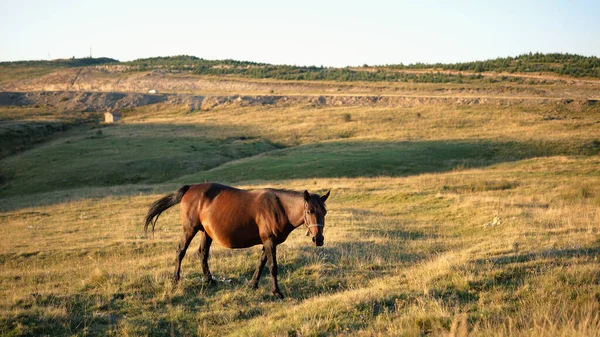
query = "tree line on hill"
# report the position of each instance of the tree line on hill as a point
(563, 64)
(60, 63)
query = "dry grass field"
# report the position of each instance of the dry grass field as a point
(443, 220)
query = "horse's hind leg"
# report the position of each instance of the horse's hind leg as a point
(188, 234)
(205, 242)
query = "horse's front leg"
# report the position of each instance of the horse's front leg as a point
(271, 252)
(261, 264)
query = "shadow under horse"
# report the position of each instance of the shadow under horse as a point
(237, 218)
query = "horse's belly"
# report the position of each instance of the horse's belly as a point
(229, 219)
(233, 235)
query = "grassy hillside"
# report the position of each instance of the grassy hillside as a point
(175, 146)
(119, 155)
(412, 247)
(371, 159)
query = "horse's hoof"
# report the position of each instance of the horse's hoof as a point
(254, 286)
(278, 294)
(209, 281)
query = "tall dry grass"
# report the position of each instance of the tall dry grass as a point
(403, 256)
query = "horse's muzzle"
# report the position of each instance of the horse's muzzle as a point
(318, 240)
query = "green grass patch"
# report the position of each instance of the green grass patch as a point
(18, 136)
(372, 158)
(112, 156)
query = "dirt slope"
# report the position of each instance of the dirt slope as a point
(103, 101)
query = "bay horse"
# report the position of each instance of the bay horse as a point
(237, 218)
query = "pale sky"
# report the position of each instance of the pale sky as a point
(307, 32)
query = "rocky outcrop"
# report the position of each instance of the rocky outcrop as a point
(79, 101)
(102, 101)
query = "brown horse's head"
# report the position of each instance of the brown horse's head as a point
(314, 216)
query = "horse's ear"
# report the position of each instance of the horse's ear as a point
(324, 197)
(306, 195)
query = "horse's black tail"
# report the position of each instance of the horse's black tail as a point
(162, 205)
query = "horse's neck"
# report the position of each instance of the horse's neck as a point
(293, 203)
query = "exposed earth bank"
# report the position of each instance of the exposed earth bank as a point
(103, 101)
